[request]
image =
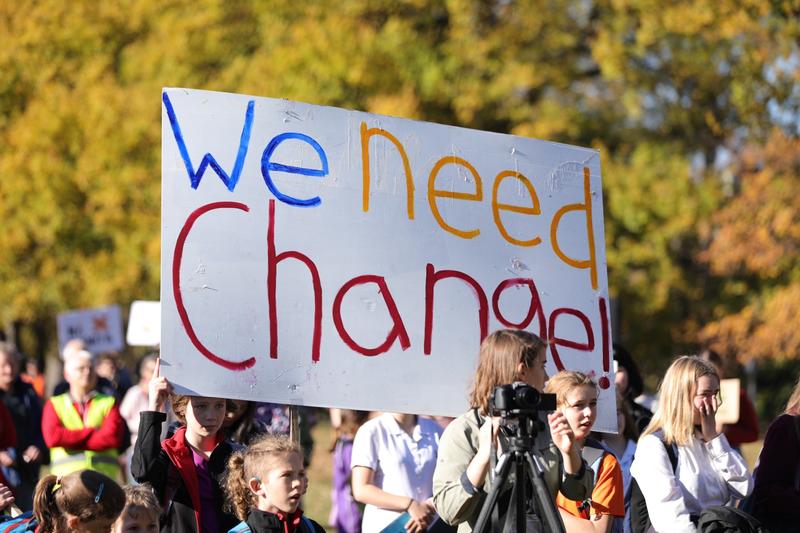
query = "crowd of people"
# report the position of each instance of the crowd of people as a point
(205, 465)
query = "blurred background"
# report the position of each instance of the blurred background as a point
(692, 104)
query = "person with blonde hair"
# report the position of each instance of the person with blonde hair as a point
(776, 495)
(604, 508)
(708, 471)
(264, 484)
(460, 482)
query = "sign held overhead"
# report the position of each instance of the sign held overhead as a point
(319, 256)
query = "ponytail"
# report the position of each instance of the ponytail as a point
(239, 499)
(85, 494)
(252, 462)
(45, 507)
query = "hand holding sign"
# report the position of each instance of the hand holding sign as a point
(159, 389)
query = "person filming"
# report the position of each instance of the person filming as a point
(461, 481)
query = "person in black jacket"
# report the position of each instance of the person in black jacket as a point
(185, 469)
(264, 485)
(630, 385)
(30, 452)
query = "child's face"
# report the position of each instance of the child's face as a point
(283, 484)
(581, 410)
(204, 416)
(236, 409)
(136, 520)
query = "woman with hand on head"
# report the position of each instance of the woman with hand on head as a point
(708, 471)
(461, 480)
(604, 509)
(185, 469)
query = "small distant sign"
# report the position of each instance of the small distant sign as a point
(728, 412)
(144, 324)
(100, 328)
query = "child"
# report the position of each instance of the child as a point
(141, 511)
(264, 485)
(84, 501)
(184, 468)
(345, 512)
(603, 511)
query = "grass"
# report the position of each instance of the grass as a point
(317, 501)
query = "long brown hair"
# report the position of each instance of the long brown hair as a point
(500, 355)
(86, 494)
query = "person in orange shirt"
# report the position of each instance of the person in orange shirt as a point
(604, 511)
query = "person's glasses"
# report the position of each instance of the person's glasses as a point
(710, 395)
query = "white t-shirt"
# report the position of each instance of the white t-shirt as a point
(403, 464)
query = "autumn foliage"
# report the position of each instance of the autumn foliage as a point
(693, 104)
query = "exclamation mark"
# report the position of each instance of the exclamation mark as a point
(604, 382)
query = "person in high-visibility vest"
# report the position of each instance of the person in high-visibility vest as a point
(82, 427)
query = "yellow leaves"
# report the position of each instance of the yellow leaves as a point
(764, 329)
(759, 230)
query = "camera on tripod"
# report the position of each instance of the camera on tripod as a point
(519, 399)
(530, 504)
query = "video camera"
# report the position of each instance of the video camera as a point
(519, 399)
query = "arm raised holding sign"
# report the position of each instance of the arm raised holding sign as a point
(184, 469)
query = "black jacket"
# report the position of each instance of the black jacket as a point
(169, 468)
(264, 522)
(26, 412)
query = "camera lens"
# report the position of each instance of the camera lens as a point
(526, 397)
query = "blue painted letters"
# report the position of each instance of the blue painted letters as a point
(208, 159)
(267, 165)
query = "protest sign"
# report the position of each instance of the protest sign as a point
(144, 324)
(100, 328)
(320, 256)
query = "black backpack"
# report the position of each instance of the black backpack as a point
(724, 519)
(640, 519)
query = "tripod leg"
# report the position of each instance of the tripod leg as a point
(500, 479)
(544, 500)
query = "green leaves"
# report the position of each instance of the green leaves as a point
(662, 88)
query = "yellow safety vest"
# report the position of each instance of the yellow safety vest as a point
(64, 461)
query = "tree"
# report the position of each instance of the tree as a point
(666, 91)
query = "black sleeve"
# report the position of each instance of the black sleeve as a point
(149, 462)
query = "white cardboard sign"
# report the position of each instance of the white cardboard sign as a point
(320, 256)
(100, 328)
(144, 324)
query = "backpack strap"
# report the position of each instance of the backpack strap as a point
(242, 527)
(309, 524)
(594, 458)
(672, 454)
(21, 523)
